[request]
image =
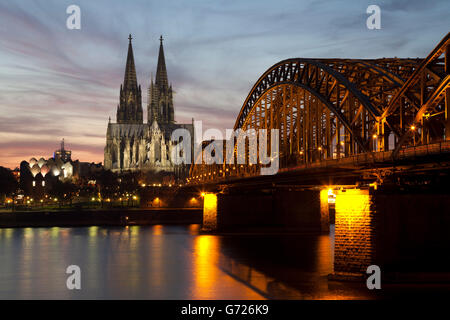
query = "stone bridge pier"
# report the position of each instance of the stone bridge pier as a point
(402, 232)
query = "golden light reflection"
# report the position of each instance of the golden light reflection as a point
(205, 271)
(156, 259)
(26, 261)
(54, 232)
(194, 229)
(157, 230)
(28, 233)
(93, 231)
(134, 236)
(212, 271)
(8, 233)
(64, 233)
(324, 255)
(135, 230)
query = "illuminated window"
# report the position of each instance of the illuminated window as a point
(34, 183)
(43, 183)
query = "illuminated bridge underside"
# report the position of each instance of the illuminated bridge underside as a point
(335, 108)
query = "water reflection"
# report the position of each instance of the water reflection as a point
(211, 282)
(167, 262)
(206, 256)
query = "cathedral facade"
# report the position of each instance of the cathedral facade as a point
(131, 144)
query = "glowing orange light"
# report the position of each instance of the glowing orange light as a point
(210, 211)
(374, 185)
(328, 196)
(413, 128)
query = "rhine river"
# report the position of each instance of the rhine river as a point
(168, 262)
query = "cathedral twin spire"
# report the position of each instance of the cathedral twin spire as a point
(161, 71)
(130, 79)
(160, 96)
(160, 100)
(129, 109)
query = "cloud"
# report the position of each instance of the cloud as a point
(56, 82)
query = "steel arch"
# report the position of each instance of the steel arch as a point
(389, 97)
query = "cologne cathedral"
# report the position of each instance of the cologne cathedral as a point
(134, 145)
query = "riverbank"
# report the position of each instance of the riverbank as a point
(100, 217)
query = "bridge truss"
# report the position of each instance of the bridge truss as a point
(336, 108)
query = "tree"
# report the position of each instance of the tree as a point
(63, 191)
(8, 183)
(107, 183)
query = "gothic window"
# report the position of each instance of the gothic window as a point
(136, 158)
(157, 150)
(113, 156)
(131, 153)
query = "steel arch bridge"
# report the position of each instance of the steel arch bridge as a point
(337, 108)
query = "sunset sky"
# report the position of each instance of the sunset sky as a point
(58, 83)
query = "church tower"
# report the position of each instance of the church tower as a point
(131, 144)
(129, 109)
(160, 97)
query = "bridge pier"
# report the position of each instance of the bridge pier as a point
(277, 209)
(402, 232)
(210, 212)
(355, 232)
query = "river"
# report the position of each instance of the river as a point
(168, 262)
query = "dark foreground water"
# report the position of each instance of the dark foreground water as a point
(167, 262)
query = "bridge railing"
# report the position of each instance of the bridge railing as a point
(428, 149)
(378, 157)
(353, 161)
